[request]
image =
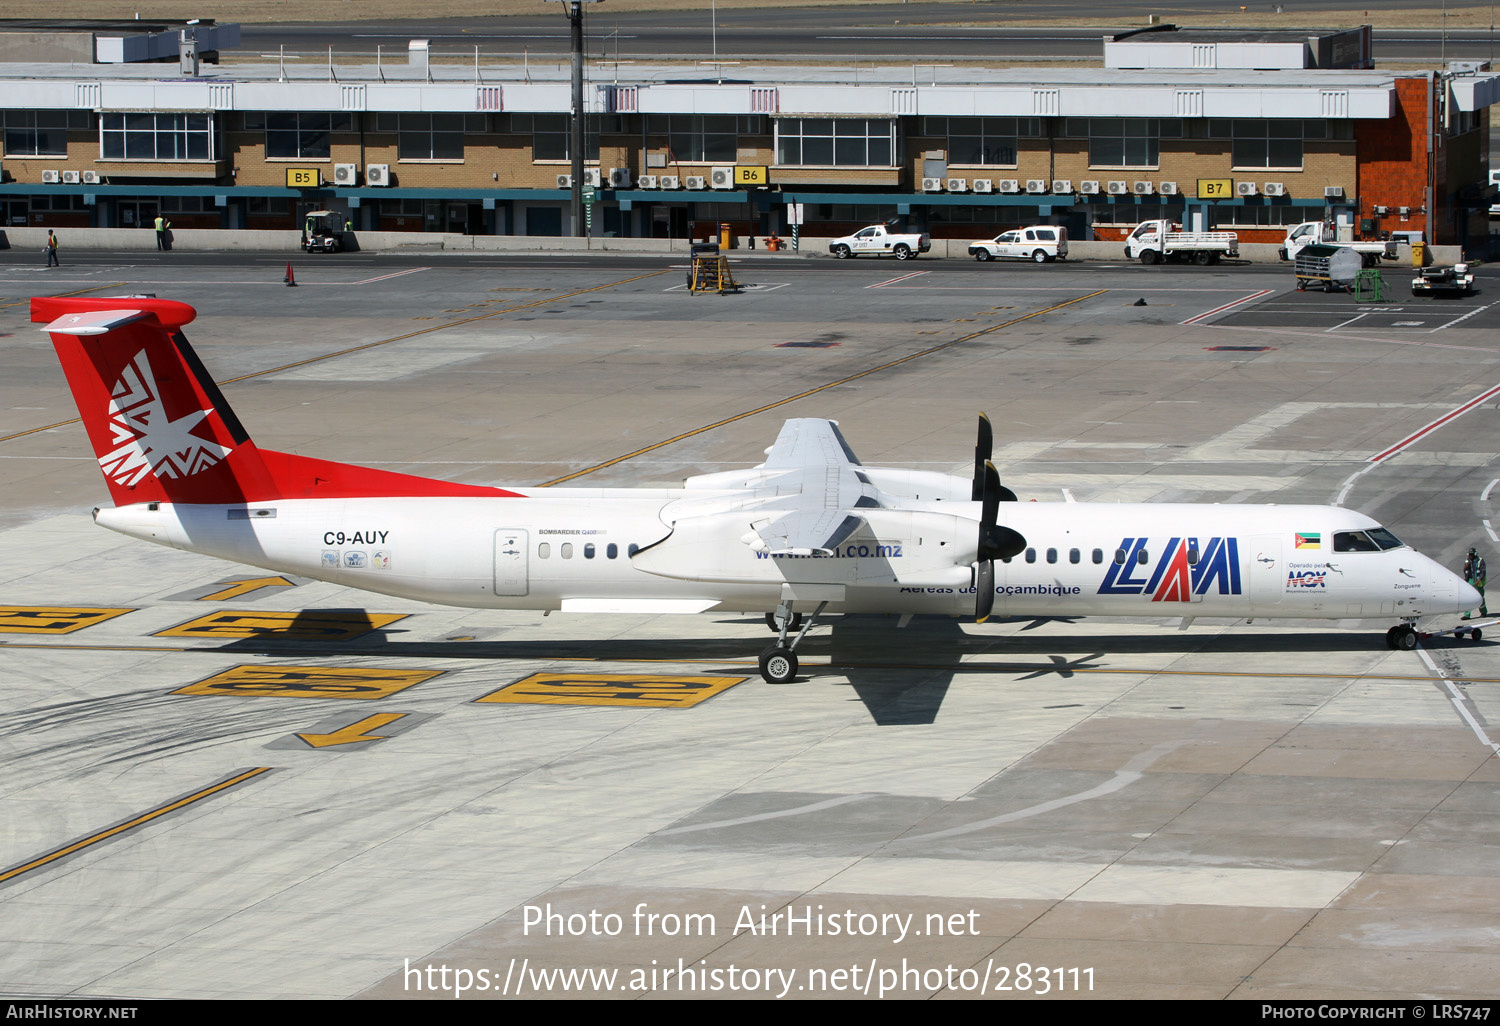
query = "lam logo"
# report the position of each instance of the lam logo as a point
(145, 439)
(1182, 571)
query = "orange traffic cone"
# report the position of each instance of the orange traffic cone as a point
(290, 279)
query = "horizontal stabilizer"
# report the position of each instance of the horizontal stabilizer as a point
(96, 322)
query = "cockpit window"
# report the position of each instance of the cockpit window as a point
(1376, 539)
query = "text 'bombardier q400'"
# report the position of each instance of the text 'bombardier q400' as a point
(811, 530)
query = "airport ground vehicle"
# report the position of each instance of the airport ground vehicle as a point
(323, 231)
(809, 530)
(881, 240)
(1156, 241)
(1041, 243)
(1333, 267)
(1457, 280)
(1310, 233)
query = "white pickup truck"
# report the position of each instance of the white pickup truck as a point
(1310, 233)
(881, 241)
(1154, 241)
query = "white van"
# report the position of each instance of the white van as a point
(1042, 243)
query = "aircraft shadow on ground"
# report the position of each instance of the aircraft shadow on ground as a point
(902, 676)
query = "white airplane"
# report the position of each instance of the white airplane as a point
(810, 530)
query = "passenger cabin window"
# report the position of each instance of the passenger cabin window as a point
(1098, 555)
(588, 551)
(567, 550)
(1031, 555)
(1074, 555)
(612, 551)
(1192, 557)
(1141, 557)
(1052, 555)
(1120, 556)
(632, 549)
(544, 550)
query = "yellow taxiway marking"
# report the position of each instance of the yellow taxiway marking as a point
(360, 348)
(305, 624)
(244, 587)
(53, 619)
(359, 731)
(819, 388)
(656, 690)
(64, 295)
(970, 667)
(307, 682)
(141, 820)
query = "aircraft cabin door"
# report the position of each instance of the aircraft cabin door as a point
(1267, 572)
(510, 562)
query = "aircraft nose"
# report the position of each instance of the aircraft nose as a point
(1468, 595)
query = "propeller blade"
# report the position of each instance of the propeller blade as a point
(983, 450)
(984, 591)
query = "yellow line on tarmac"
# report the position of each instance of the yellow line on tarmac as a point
(814, 391)
(367, 345)
(64, 295)
(439, 327)
(971, 667)
(141, 820)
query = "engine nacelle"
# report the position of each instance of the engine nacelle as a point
(925, 485)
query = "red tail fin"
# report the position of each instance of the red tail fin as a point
(163, 431)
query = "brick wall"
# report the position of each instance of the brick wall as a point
(1393, 159)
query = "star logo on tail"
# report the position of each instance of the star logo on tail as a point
(145, 439)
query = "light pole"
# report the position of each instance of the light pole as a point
(575, 136)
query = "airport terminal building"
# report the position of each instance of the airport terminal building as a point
(1236, 131)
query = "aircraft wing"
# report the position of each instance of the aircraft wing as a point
(816, 486)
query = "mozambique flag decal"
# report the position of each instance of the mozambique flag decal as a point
(1307, 540)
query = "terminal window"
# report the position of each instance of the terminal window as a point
(40, 133)
(156, 136)
(835, 142)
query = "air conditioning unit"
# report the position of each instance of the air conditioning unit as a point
(982, 185)
(1088, 188)
(646, 182)
(91, 178)
(1119, 188)
(722, 178)
(1244, 189)
(71, 177)
(619, 178)
(1167, 188)
(1036, 186)
(565, 181)
(1143, 188)
(932, 185)
(1333, 192)
(1274, 189)
(377, 174)
(51, 177)
(958, 185)
(592, 176)
(1380, 211)
(1062, 186)
(697, 182)
(346, 174)
(671, 182)
(1008, 185)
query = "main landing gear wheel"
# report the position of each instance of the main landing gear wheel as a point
(795, 625)
(1401, 637)
(778, 665)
